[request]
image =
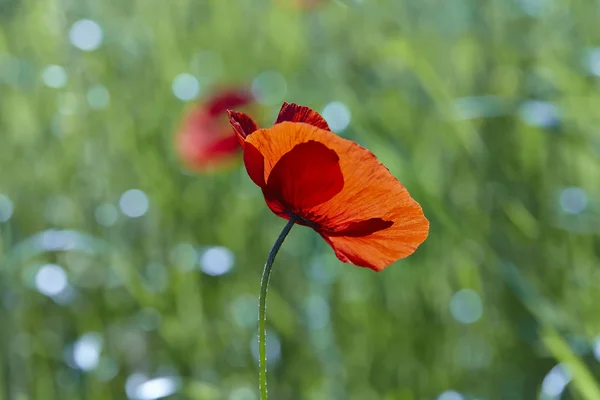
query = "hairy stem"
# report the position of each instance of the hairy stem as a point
(262, 309)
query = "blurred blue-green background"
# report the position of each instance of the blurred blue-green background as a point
(125, 276)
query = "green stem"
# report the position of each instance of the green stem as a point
(262, 309)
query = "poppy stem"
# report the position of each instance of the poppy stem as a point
(262, 309)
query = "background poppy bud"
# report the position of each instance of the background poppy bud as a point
(205, 139)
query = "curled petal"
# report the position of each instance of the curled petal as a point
(292, 112)
(306, 176)
(242, 124)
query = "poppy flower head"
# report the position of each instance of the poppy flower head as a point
(204, 138)
(332, 185)
(305, 5)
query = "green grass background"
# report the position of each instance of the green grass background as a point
(489, 181)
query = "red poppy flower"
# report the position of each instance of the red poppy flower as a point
(301, 4)
(204, 138)
(332, 185)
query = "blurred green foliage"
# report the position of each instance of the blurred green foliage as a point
(486, 110)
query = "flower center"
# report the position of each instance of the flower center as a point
(302, 220)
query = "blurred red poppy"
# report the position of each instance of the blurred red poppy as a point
(300, 4)
(205, 138)
(332, 185)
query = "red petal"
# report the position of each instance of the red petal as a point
(275, 204)
(306, 176)
(340, 256)
(242, 124)
(226, 145)
(295, 113)
(202, 142)
(361, 228)
(255, 164)
(382, 248)
(227, 99)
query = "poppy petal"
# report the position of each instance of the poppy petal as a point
(306, 176)
(370, 192)
(292, 112)
(227, 99)
(340, 256)
(202, 143)
(255, 165)
(275, 204)
(242, 124)
(380, 249)
(226, 145)
(362, 228)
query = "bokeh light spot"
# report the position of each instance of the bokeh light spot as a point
(107, 369)
(269, 88)
(186, 87)
(106, 214)
(597, 348)
(68, 103)
(86, 35)
(555, 381)
(592, 61)
(6, 208)
(86, 351)
(50, 280)
(539, 113)
(337, 116)
(466, 306)
(243, 393)
(273, 348)
(98, 97)
(217, 261)
(148, 319)
(317, 312)
(477, 107)
(243, 310)
(133, 344)
(450, 395)
(59, 240)
(321, 270)
(533, 8)
(66, 296)
(54, 76)
(573, 200)
(132, 383)
(184, 256)
(156, 277)
(134, 203)
(157, 388)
